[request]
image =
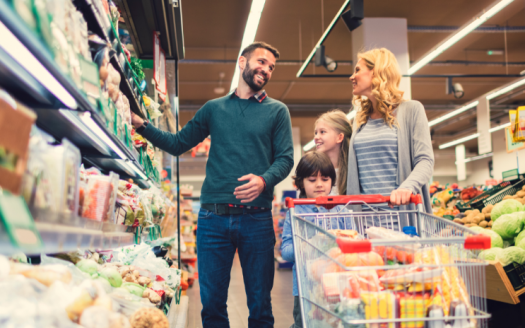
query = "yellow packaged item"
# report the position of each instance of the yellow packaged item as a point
(379, 305)
(519, 133)
(452, 284)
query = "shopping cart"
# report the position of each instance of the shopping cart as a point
(377, 276)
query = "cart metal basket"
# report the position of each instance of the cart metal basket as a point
(377, 276)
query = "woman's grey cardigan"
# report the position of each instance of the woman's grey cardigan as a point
(415, 154)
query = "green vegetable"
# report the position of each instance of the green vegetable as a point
(521, 244)
(477, 229)
(519, 237)
(88, 266)
(490, 254)
(20, 257)
(508, 226)
(105, 284)
(111, 275)
(510, 255)
(495, 239)
(505, 207)
(134, 289)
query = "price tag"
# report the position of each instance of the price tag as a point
(19, 223)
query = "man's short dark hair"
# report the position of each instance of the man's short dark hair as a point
(247, 52)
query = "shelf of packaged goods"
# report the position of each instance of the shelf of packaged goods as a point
(66, 233)
(126, 88)
(95, 21)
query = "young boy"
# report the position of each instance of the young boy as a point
(314, 177)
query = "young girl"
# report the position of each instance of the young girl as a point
(332, 136)
(314, 177)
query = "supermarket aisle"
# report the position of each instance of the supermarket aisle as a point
(282, 300)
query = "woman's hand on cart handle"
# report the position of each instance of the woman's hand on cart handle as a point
(400, 197)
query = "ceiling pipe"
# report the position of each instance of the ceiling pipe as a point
(481, 29)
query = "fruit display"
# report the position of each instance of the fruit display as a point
(99, 291)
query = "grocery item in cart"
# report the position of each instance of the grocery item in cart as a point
(99, 197)
(451, 282)
(379, 305)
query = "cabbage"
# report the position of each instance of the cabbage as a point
(506, 243)
(506, 206)
(88, 266)
(495, 239)
(111, 275)
(490, 254)
(134, 289)
(477, 229)
(510, 255)
(519, 237)
(507, 226)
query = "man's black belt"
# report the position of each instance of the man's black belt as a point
(229, 209)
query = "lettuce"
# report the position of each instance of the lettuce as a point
(490, 254)
(506, 206)
(510, 255)
(88, 266)
(508, 226)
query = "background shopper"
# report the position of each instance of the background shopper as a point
(251, 141)
(391, 150)
(332, 136)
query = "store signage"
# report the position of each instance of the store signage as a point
(511, 145)
(159, 67)
(483, 120)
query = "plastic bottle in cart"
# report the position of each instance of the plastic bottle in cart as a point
(410, 230)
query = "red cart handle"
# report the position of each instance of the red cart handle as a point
(343, 200)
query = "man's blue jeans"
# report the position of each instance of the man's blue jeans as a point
(218, 237)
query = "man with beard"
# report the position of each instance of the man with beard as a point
(251, 151)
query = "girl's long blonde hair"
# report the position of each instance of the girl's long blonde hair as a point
(338, 121)
(385, 86)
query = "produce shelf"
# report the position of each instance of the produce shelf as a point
(499, 287)
(63, 110)
(126, 89)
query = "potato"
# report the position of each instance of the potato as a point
(483, 224)
(489, 208)
(103, 72)
(507, 197)
(523, 188)
(459, 221)
(488, 228)
(489, 224)
(484, 210)
(487, 216)
(470, 225)
(468, 220)
(476, 211)
(468, 212)
(521, 193)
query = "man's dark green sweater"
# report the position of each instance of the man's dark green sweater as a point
(247, 136)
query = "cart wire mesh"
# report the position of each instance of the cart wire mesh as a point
(358, 269)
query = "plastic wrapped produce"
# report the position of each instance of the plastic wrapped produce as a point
(99, 198)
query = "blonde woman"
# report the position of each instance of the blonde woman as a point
(390, 151)
(332, 136)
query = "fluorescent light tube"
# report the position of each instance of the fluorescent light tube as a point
(457, 142)
(311, 144)
(126, 167)
(506, 89)
(10, 43)
(499, 127)
(451, 40)
(139, 171)
(74, 119)
(95, 128)
(249, 35)
(452, 114)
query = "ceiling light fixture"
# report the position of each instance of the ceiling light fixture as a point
(249, 35)
(311, 144)
(10, 43)
(322, 60)
(452, 114)
(323, 37)
(473, 136)
(506, 89)
(457, 142)
(460, 34)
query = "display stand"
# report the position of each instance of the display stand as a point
(499, 287)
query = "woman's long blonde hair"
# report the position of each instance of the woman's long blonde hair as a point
(385, 86)
(338, 121)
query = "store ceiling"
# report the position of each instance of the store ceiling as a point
(213, 32)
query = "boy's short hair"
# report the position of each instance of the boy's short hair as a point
(312, 163)
(247, 52)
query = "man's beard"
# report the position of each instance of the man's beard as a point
(248, 76)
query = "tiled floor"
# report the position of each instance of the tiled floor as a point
(282, 300)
